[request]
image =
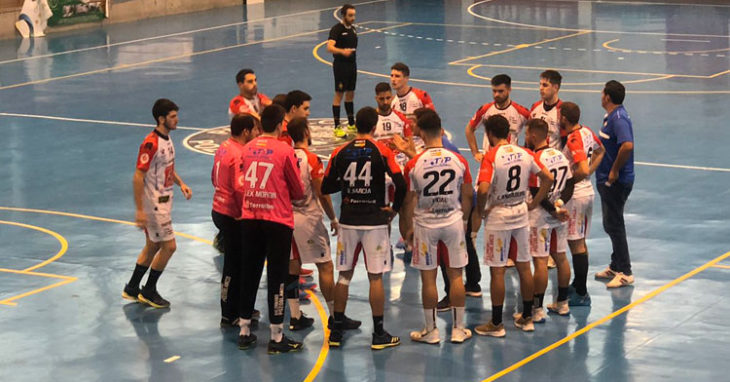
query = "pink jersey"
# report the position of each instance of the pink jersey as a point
(226, 168)
(580, 146)
(551, 115)
(310, 168)
(392, 124)
(240, 104)
(157, 160)
(269, 181)
(436, 175)
(515, 114)
(414, 99)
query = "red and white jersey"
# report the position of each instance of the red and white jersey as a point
(551, 115)
(558, 165)
(580, 146)
(507, 168)
(240, 104)
(284, 137)
(310, 167)
(414, 99)
(269, 181)
(157, 159)
(516, 114)
(392, 124)
(436, 175)
(226, 167)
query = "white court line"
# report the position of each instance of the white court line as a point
(636, 3)
(683, 40)
(177, 34)
(83, 120)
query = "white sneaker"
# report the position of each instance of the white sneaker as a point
(459, 335)
(538, 315)
(510, 263)
(559, 307)
(620, 280)
(551, 263)
(425, 336)
(606, 274)
(523, 323)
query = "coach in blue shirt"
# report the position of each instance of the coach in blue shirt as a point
(615, 179)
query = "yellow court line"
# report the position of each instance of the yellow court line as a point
(721, 266)
(40, 274)
(172, 359)
(518, 47)
(600, 71)
(45, 288)
(470, 72)
(324, 349)
(611, 316)
(61, 239)
(608, 46)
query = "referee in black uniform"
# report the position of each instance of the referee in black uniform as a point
(342, 43)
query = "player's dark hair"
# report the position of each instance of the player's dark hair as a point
(241, 122)
(615, 91)
(241, 75)
(401, 67)
(571, 112)
(501, 79)
(296, 98)
(552, 76)
(366, 119)
(162, 108)
(420, 111)
(345, 8)
(271, 116)
(279, 99)
(382, 87)
(429, 122)
(498, 125)
(297, 128)
(538, 127)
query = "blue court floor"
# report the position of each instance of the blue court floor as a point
(74, 108)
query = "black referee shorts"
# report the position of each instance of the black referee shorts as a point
(345, 76)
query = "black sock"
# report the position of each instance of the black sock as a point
(526, 308)
(139, 271)
(580, 266)
(378, 325)
(152, 280)
(562, 293)
(350, 110)
(292, 286)
(496, 314)
(538, 300)
(336, 114)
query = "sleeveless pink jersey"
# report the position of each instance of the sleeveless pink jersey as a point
(226, 167)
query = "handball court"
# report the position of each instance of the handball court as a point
(74, 108)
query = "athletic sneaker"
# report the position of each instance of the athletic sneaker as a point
(352, 128)
(426, 336)
(340, 132)
(444, 305)
(551, 263)
(523, 323)
(300, 323)
(473, 290)
(620, 280)
(489, 329)
(245, 342)
(153, 299)
(606, 274)
(559, 307)
(130, 293)
(538, 315)
(348, 324)
(401, 244)
(407, 256)
(574, 299)
(286, 345)
(510, 263)
(459, 335)
(335, 339)
(384, 340)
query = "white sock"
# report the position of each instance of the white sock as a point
(458, 313)
(277, 332)
(430, 315)
(294, 307)
(331, 308)
(245, 326)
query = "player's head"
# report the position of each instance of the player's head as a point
(613, 94)
(348, 14)
(298, 130)
(501, 87)
(245, 127)
(365, 120)
(246, 80)
(271, 118)
(429, 124)
(536, 133)
(399, 74)
(550, 84)
(569, 115)
(414, 119)
(279, 99)
(297, 104)
(165, 113)
(383, 97)
(497, 127)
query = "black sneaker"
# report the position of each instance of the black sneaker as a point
(473, 290)
(286, 345)
(384, 340)
(218, 242)
(130, 293)
(152, 298)
(256, 314)
(335, 339)
(245, 342)
(300, 323)
(444, 305)
(348, 324)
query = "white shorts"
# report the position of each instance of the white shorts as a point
(159, 228)
(548, 239)
(373, 242)
(497, 244)
(580, 211)
(310, 241)
(434, 246)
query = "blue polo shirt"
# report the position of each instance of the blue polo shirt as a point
(617, 129)
(448, 145)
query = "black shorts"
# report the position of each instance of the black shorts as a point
(345, 76)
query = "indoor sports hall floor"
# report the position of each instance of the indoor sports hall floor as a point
(74, 108)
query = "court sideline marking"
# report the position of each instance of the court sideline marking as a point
(97, 121)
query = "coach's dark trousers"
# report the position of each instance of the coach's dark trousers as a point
(230, 281)
(613, 199)
(472, 270)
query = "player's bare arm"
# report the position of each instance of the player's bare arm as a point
(471, 138)
(187, 192)
(326, 202)
(596, 159)
(138, 186)
(546, 181)
(334, 50)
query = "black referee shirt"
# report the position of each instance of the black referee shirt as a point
(345, 38)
